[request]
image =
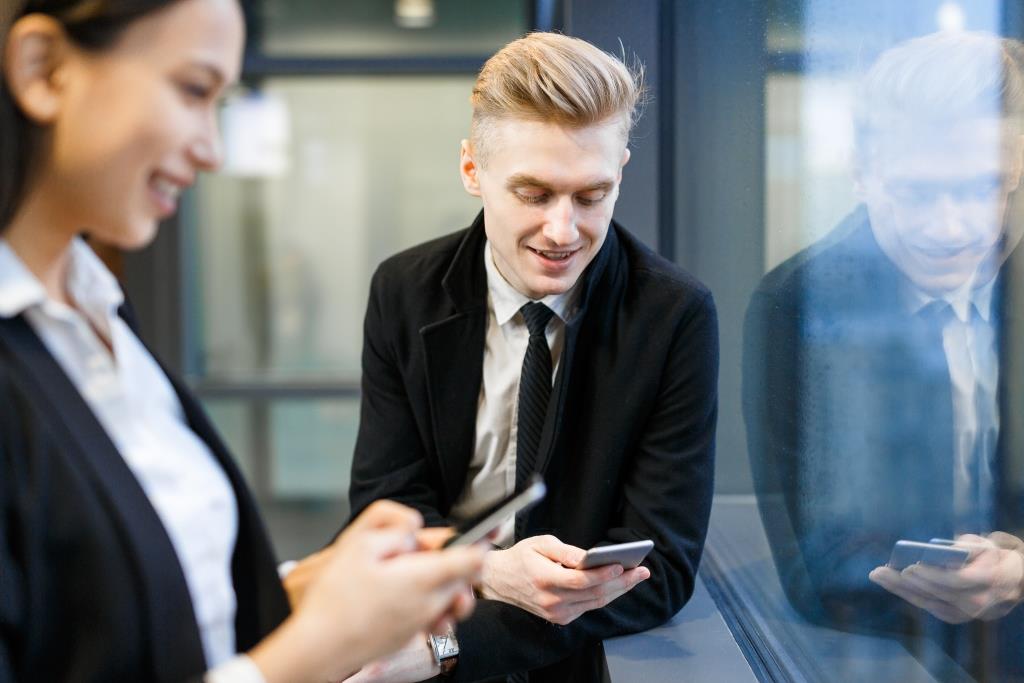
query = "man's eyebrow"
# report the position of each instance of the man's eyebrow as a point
(525, 180)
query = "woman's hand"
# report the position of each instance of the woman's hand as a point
(366, 595)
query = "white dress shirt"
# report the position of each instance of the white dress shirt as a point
(969, 343)
(492, 470)
(135, 403)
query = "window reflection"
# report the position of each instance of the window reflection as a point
(881, 390)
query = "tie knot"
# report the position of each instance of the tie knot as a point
(537, 317)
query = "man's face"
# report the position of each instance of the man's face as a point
(937, 200)
(548, 193)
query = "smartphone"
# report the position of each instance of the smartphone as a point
(477, 528)
(943, 555)
(629, 555)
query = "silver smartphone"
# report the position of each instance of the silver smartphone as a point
(477, 528)
(943, 555)
(629, 555)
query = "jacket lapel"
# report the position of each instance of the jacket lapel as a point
(453, 349)
(177, 650)
(599, 282)
(1009, 474)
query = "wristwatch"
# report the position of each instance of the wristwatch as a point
(446, 650)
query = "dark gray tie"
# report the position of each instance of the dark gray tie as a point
(534, 391)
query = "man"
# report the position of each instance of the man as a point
(545, 338)
(882, 384)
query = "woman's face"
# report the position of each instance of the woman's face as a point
(138, 121)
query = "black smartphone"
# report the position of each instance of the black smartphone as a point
(477, 528)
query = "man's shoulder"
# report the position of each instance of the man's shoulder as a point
(652, 273)
(425, 260)
(844, 264)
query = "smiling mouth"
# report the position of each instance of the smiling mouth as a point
(166, 189)
(554, 255)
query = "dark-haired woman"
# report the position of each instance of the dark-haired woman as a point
(130, 549)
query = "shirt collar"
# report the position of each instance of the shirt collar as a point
(19, 288)
(959, 300)
(93, 288)
(506, 300)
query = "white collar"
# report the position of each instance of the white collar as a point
(507, 300)
(959, 300)
(92, 287)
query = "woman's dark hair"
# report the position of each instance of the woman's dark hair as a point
(93, 25)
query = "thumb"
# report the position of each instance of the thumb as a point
(382, 545)
(556, 551)
(386, 514)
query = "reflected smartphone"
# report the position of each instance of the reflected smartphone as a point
(943, 555)
(629, 555)
(477, 528)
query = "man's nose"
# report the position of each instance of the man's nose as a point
(560, 223)
(950, 227)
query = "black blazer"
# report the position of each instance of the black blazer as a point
(90, 585)
(627, 450)
(848, 404)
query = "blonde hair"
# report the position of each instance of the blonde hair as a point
(555, 79)
(940, 79)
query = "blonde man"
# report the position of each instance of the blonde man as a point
(545, 338)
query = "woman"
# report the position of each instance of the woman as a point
(130, 548)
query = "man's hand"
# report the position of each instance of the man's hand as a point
(414, 662)
(988, 587)
(538, 574)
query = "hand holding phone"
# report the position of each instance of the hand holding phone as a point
(629, 555)
(936, 553)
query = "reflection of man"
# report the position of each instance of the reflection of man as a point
(881, 381)
(544, 337)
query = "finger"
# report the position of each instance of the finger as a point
(893, 582)
(431, 570)
(615, 587)
(464, 604)
(433, 538)
(441, 626)
(569, 580)
(375, 544)
(1006, 541)
(556, 551)
(946, 580)
(972, 540)
(386, 514)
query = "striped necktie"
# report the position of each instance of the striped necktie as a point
(534, 391)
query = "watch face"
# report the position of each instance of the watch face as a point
(445, 646)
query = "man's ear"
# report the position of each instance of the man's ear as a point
(469, 169)
(625, 160)
(33, 59)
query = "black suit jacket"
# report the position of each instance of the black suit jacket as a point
(848, 404)
(627, 450)
(90, 585)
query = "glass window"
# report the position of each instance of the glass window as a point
(880, 380)
(389, 28)
(285, 254)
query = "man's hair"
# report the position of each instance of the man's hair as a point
(557, 79)
(939, 80)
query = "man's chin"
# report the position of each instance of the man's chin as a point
(546, 286)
